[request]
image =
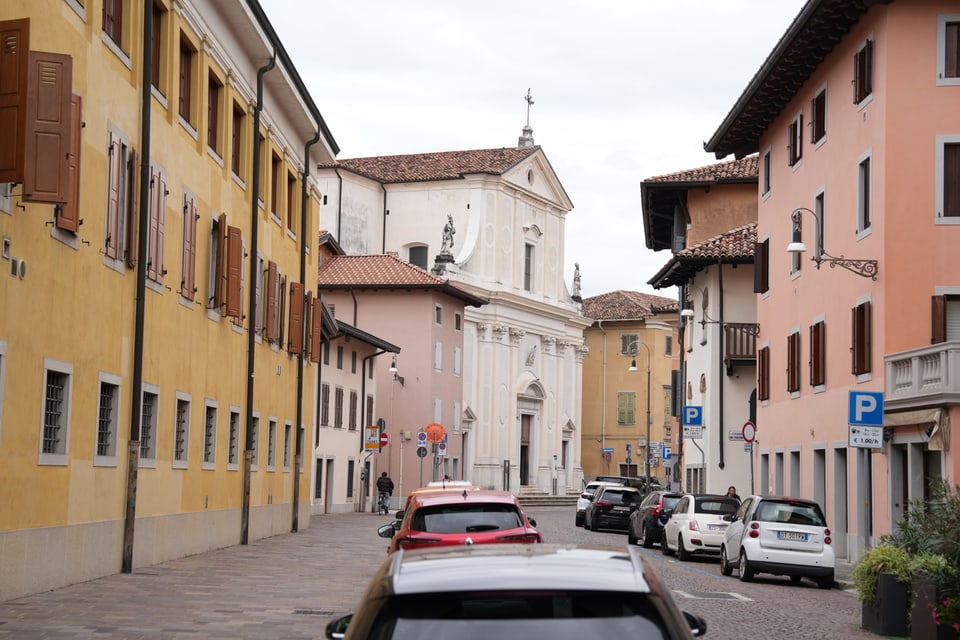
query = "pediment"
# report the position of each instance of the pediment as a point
(534, 174)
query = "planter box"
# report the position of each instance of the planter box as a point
(887, 615)
(922, 626)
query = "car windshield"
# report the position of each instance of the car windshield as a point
(718, 506)
(553, 615)
(466, 518)
(791, 513)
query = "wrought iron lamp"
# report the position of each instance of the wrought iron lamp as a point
(646, 452)
(865, 268)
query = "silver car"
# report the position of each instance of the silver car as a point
(587, 495)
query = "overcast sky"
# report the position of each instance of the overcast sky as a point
(623, 90)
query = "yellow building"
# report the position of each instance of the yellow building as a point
(159, 350)
(627, 384)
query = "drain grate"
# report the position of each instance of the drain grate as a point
(312, 612)
(712, 595)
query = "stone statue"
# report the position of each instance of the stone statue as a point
(576, 280)
(448, 231)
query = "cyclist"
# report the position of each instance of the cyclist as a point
(385, 490)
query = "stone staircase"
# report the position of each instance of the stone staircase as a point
(531, 496)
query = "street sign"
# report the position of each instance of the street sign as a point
(441, 448)
(692, 415)
(865, 437)
(421, 438)
(692, 432)
(371, 438)
(749, 431)
(667, 452)
(384, 438)
(866, 408)
(606, 450)
(422, 452)
(608, 455)
(435, 432)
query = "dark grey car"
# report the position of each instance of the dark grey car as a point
(611, 508)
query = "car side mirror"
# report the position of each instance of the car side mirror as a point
(337, 628)
(386, 531)
(533, 522)
(398, 515)
(730, 517)
(698, 626)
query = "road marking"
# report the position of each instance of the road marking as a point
(713, 595)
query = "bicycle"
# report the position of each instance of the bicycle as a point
(383, 503)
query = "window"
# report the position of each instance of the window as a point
(793, 362)
(287, 428)
(188, 247)
(181, 431)
(763, 373)
(863, 72)
(188, 58)
(338, 408)
(274, 306)
(626, 408)
(417, 256)
(438, 355)
(120, 235)
(233, 441)
(820, 207)
(107, 417)
(629, 344)
(948, 179)
(156, 230)
(818, 117)
(761, 266)
(148, 426)
(438, 315)
(271, 445)
(353, 362)
(112, 15)
(325, 404)
(668, 346)
(350, 466)
(948, 49)
(795, 140)
(255, 442)
(295, 330)
(457, 322)
(214, 91)
(354, 407)
(528, 267)
(863, 195)
(339, 356)
(276, 166)
(236, 140)
(766, 172)
(369, 414)
(457, 358)
(157, 55)
(226, 269)
(818, 354)
(861, 347)
(292, 204)
(210, 437)
(945, 316)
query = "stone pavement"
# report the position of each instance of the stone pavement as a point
(287, 586)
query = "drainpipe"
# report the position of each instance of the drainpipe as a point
(721, 378)
(339, 200)
(298, 455)
(383, 247)
(252, 314)
(133, 451)
(603, 391)
(679, 474)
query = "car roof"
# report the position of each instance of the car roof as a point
(620, 487)
(518, 566)
(805, 501)
(465, 496)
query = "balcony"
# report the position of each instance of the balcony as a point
(740, 344)
(924, 377)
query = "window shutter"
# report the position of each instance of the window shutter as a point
(14, 69)
(308, 323)
(763, 374)
(951, 180)
(295, 332)
(189, 249)
(161, 204)
(154, 243)
(234, 259)
(272, 278)
(48, 128)
(221, 258)
(111, 241)
(316, 321)
(868, 68)
(938, 319)
(68, 215)
(133, 204)
(761, 266)
(951, 41)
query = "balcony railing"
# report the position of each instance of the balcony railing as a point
(924, 377)
(740, 344)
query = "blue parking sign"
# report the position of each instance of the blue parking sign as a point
(866, 408)
(693, 415)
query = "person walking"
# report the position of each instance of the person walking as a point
(384, 491)
(732, 492)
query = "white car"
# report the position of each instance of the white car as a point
(697, 525)
(587, 495)
(779, 535)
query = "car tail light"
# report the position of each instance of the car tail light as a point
(694, 526)
(826, 536)
(657, 511)
(412, 543)
(754, 530)
(602, 503)
(523, 537)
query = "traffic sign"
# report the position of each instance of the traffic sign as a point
(865, 437)
(384, 438)
(749, 431)
(606, 450)
(422, 452)
(667, 452)
(435, 432)
(421, 438)
(692, 415)
(866, 408)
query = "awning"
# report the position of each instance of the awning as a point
(935, 420)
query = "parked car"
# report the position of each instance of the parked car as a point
(646, 523)
(779, 535)
(586, 496)
(534, 592)
(611, 507)
(465, 517)
(697, 525)
(438, 485)
(638, 482)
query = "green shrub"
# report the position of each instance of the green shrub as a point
(885, 558)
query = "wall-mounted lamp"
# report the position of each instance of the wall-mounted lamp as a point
(865, 268)
(688, 314)
(393, 366)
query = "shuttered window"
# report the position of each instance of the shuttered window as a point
(626, 408)
(46, 165)
(295, 331)
(214, 87)
(863, 72)
(188, 248)
(951, 50)
(761, 266)
(818, 117)
(236, 148)
(14, 69)
(325, 404)
(861, 334)
(795, 141)
(187, 58)
(273, 295)
(818, 354)
(115, 162)
(112, 16)
(156, 229)
(945, 316)
(68, 215)
(793, 362)
(218, 247)
(763, 373)
(951, 180)
(234, 283)
(316, 327)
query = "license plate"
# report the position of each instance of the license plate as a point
(715, 527)
(621, 509)
(792, 535)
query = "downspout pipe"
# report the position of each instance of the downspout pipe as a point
(252, 313)
(339, 201)
(721, 377)
(143, 228)
(305, 242)
(679, 472)
(386, 212)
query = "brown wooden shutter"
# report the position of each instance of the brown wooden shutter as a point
(272, 296)
(938, 319)
(818, 354)
(281, 308)
(951, 180)
(793, 362)
(861, 339)
(295, 331)
(111, 241)
(188, 260)
(68, 215)
(154, 259)
(951, 41)
(133, 205)
(221, 258)
(316, 322)
(234, 272)
(763, 374)
(761, 266)
(308, 323)
(14, 70)
(48, 128)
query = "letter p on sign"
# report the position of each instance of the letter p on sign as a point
(866, 408)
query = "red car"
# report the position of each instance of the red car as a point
(476, 516)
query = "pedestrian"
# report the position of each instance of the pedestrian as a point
(732, 492)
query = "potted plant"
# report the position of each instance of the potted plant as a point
(882, 578)
(933, 612)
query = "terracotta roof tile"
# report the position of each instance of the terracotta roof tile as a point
(736, 243)
(733, 170)
(443, 165)
(627, 305)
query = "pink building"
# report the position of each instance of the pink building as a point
(854, 115)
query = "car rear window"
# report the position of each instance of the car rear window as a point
(553, 615)
(466, 518)
(669, 502)
(718, 506)
(616, 496)
(791, 513)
